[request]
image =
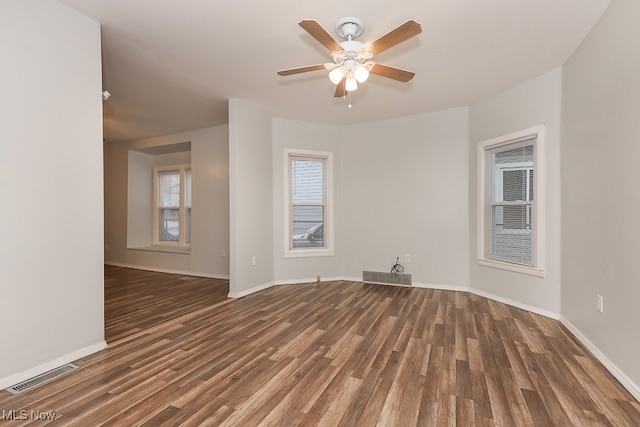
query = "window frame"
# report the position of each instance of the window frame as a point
(328, 225)
(484, 202)
(182, 208)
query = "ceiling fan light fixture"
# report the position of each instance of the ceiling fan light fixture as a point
(351, 59)
(351, 84)
(336, 75)
(361, 74)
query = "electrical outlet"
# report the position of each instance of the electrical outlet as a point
(224, 253)
(407, 258)
(599, 303)
(254, 260)
(317, 279)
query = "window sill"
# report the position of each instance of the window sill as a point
(515, 268)
(308, 253)
(184, 250)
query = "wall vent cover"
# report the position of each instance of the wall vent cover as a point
(42, 379)
(386, 278)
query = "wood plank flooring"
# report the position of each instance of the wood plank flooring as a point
(340, 354)
(136, 300)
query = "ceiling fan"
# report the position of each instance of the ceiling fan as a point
(352, 59)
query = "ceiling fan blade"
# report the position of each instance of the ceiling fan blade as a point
(340, 89)
(299, 70)
(404, 32)
(392, 73)
(317, 32)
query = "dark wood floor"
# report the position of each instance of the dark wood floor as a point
(340, 354)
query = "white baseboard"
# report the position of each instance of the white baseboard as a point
(169, 271)
(288, 282)
(442, 287)
(540, 311)
(308, 280)
(53, 364)
(297, 281)
(490, 296)
(632, 387)
(517, 304)
(250, 290)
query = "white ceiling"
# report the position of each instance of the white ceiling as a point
(172, 65)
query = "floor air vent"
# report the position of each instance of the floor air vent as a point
(42, 378)
(386, 278)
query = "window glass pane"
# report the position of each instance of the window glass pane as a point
(511, 233)
(307, 181)
(187, 187)
(515, 217)
(308, 215)
(169, 189)
(515, 155)
(514, 184)
(169, 225)
(188, 236)
(308, 226)
(512, 195)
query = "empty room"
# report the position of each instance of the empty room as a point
(320, 213)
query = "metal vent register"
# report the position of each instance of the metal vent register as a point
(42, 378)
(386, 278)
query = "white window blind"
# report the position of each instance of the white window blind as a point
(512, 203)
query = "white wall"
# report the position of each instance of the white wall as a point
(305, 136)
(251, 198)
(210, 193)
(51, 263)
(139, 200)
(210, 201)
(532, 103)
(405, 191)
(140, 208)
(601, 197)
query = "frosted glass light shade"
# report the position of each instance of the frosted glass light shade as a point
(361, 74)
(336, 75)
(351, 84)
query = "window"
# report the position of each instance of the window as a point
(172, 199)
(510, 202)
(308, 207)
